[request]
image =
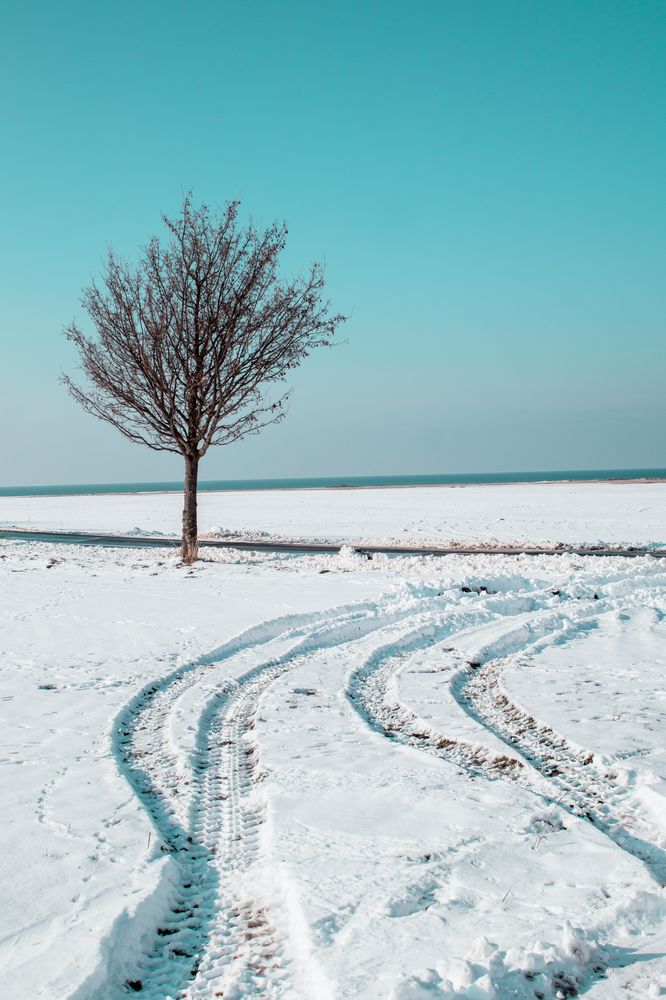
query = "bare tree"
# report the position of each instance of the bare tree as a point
(190, 341)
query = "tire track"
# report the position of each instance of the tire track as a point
(373, 692)
(216, 936)
(566, 772)
(203, 819)
(243, 955)
(477, 690)
(587, 791)
(174, 798)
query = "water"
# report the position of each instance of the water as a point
(340, 482)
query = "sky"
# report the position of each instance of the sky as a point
(485, 182)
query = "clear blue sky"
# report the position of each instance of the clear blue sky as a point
(485, 180)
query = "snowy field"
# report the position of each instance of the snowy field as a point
(546, 513)
(325, 778)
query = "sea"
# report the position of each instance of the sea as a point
(342, 482)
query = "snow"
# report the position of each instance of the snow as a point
(548, 513)
(327, 776)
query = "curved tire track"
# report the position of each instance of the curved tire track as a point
(587, 790)
(370, 692)
(210, 942)
(478, 690)
(217, 937)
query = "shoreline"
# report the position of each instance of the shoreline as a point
(344, 487)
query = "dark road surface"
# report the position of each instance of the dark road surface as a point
(310, 548)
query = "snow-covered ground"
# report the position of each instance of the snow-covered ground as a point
(330, 777)
(547, 513)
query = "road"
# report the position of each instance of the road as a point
(314, 548)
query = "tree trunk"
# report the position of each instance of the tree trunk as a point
(190, 546)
